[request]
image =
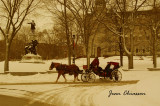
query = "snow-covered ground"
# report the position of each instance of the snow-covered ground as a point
(85, 94)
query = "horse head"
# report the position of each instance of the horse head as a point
(53, 65)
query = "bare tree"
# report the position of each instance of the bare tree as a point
(154, 24)
(83, 12)
(129, 11)
(151, 23)
(124, 14)
(14, 14)
(63, 20)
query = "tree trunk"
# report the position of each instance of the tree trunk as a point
(130, 61)
(92, 46)
(130, 56)
(88, 57)
(69, 55)
(121, 51)
(67, 34)
(154, 59)
(69, 49)
(154, 51)
(6, 64)
(121, 56)
(129, 53)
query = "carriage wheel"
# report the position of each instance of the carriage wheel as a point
(92, 77)
(85, 77)
(116, 75)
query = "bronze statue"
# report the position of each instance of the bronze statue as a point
(31, 47)
(33, 26)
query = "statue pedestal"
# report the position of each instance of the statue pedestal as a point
(31, 58)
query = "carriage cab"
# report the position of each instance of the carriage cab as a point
(111, 71)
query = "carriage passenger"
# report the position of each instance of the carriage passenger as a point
(109, 68)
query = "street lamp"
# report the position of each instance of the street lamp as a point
(73, 38)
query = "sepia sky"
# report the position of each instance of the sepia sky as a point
(42, 18)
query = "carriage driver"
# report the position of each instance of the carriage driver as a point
(95, 66)
(95, 63)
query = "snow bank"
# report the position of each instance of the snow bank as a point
(94, 95)
(148, 85)
(16, 66)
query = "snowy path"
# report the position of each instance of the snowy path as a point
(71, 94)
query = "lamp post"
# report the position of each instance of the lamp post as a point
(73, 38)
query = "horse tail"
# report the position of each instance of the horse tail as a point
(79, 71)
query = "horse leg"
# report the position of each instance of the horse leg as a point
(77, 78)
(74, 77)
(64, 77)
(59, 74)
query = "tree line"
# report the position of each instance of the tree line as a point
(83, 19)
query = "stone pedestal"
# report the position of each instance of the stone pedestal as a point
(31, 58)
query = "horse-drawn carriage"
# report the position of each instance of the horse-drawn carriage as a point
(111, 72)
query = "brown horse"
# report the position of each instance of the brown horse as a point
(65, 69)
